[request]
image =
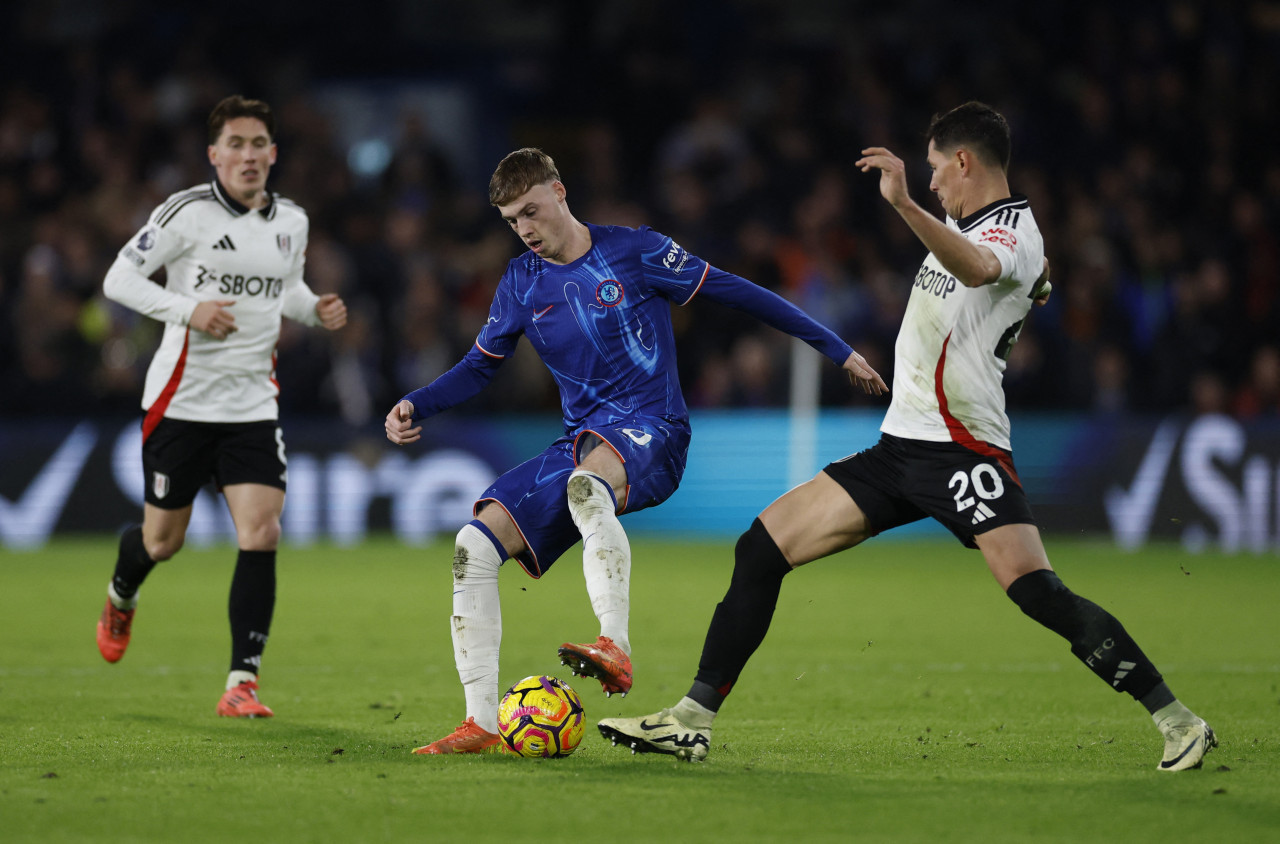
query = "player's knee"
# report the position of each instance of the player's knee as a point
(262, 536)
(475, 555)
(757, 556)
(163, 546)
(1042, 596)
(587, 490)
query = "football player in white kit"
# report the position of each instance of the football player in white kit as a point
(944, 450)
(233, 256)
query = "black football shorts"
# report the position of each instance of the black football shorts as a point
(898, 481)
(180, 457)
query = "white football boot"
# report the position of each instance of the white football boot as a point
(661, 732)
(1185, 744)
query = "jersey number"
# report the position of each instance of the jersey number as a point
(986, 482)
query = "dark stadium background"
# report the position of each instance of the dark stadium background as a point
(1144, 135)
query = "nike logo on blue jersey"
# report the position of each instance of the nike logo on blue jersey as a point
(537, 315)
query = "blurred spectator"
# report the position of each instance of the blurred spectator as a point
(1260, 395)
(731, 126)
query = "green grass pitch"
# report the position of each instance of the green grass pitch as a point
(899, 697)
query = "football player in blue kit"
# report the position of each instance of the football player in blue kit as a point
(594, 301)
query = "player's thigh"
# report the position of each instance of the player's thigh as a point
(527, 508)
(814, 520)
(650, 451)
(606, 463)
(255, 509)
(1011, 551)
(502, 526)
(251, 470)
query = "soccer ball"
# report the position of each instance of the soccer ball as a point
(541, 717)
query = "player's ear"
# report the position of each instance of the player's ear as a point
(560, 191)
(213, 155)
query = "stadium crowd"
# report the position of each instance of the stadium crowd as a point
(1142, 135)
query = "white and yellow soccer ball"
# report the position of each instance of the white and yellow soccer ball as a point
(541, 717)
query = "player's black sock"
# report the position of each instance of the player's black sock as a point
(1158, 698)
(253, 598)
(1096, 637)
(742, 617)
(133, 563)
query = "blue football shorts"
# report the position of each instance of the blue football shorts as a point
(534, 493)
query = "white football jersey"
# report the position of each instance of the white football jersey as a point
(213, 247)
(954, 342)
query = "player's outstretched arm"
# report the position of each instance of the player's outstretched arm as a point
(399, 422)
(213, 318)
(864, 376)
(332, 311)
(971, 264)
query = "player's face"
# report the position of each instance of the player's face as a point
(947, 181)
(242, 158)
(541, 219)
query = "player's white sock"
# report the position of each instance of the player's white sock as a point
(606, 554)
(694, 714)
(235, 678)
(1173, 715)
(477, 623)
(124, 604)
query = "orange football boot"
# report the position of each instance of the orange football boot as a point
(469, 737)
(114, 630)
(242, 702)
(602, 660)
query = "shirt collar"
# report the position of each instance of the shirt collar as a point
(238, 208)
(1014, 200)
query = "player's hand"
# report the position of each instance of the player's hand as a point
(1042, 288)
(893, 173)
(332, 311)
(864, 376)
(398, 422)
(213, 318)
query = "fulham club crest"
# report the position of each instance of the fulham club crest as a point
(160, 484)
(282, 240)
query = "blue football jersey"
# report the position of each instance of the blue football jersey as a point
(602, 325)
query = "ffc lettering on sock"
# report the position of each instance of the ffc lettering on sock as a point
(1096, 637)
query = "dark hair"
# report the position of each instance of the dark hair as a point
(518, 172)
(237, 106)
(976, 126)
